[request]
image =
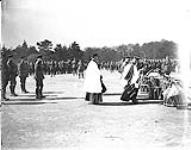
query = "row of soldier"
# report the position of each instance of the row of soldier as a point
(62, 67)
(10, 70)
(77, 67)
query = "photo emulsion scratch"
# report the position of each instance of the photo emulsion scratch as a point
(95, 74)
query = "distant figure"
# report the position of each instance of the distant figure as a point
(39, 76)
(53, 68)
(12, 73)
(80, 70)
(74, 67)
(23, 68)
(31, 69)
(92, 83)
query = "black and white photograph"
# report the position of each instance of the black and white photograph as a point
(95, 74)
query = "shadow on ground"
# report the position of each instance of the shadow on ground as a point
(45, 93)
(129, 103)
(33, 101)
(111, 94)
(27, 103)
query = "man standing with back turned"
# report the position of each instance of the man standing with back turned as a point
(12, 73)
(39, 76)
(23, 73)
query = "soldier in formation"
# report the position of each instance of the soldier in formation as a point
(9, 74)
(80, 69)
(12, 73)
(4, 77)
(23, 68)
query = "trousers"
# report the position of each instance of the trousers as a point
(39, 87)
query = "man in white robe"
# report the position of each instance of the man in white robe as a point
(92, 83)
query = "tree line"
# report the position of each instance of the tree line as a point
(153, 50)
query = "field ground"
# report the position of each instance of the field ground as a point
(65, 121)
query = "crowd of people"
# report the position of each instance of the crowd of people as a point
(138, 74)
(134, 72)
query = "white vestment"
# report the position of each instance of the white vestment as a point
(124, 73)
(135, 75)
(126, 70)
(92, 83)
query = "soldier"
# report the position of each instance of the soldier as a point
(23, 68)
(31, 68)
(4, 77)
(13, 73)
(53, 68)
(39, 76)
(73, 67)
(81, 68)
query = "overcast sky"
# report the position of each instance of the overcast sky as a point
(95, 22)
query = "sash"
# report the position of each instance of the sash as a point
(130, 73)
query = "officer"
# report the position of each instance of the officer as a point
(23, 68)
(39, 76)
(12, 73)
(4, 77)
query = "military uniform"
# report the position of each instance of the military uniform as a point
(12, 72)
(39, 76)
(23, 74)
(4, 78)
(80, 70)
(53, 68)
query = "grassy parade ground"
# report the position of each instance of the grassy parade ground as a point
(63, 120)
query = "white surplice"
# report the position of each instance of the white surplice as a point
(92, 83)
(135, 75)
(124, 73)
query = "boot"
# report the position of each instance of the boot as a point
(3, 96)
(12, 89)
(26, 91)
(40, 93)
(37, 94)
(22, 89)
